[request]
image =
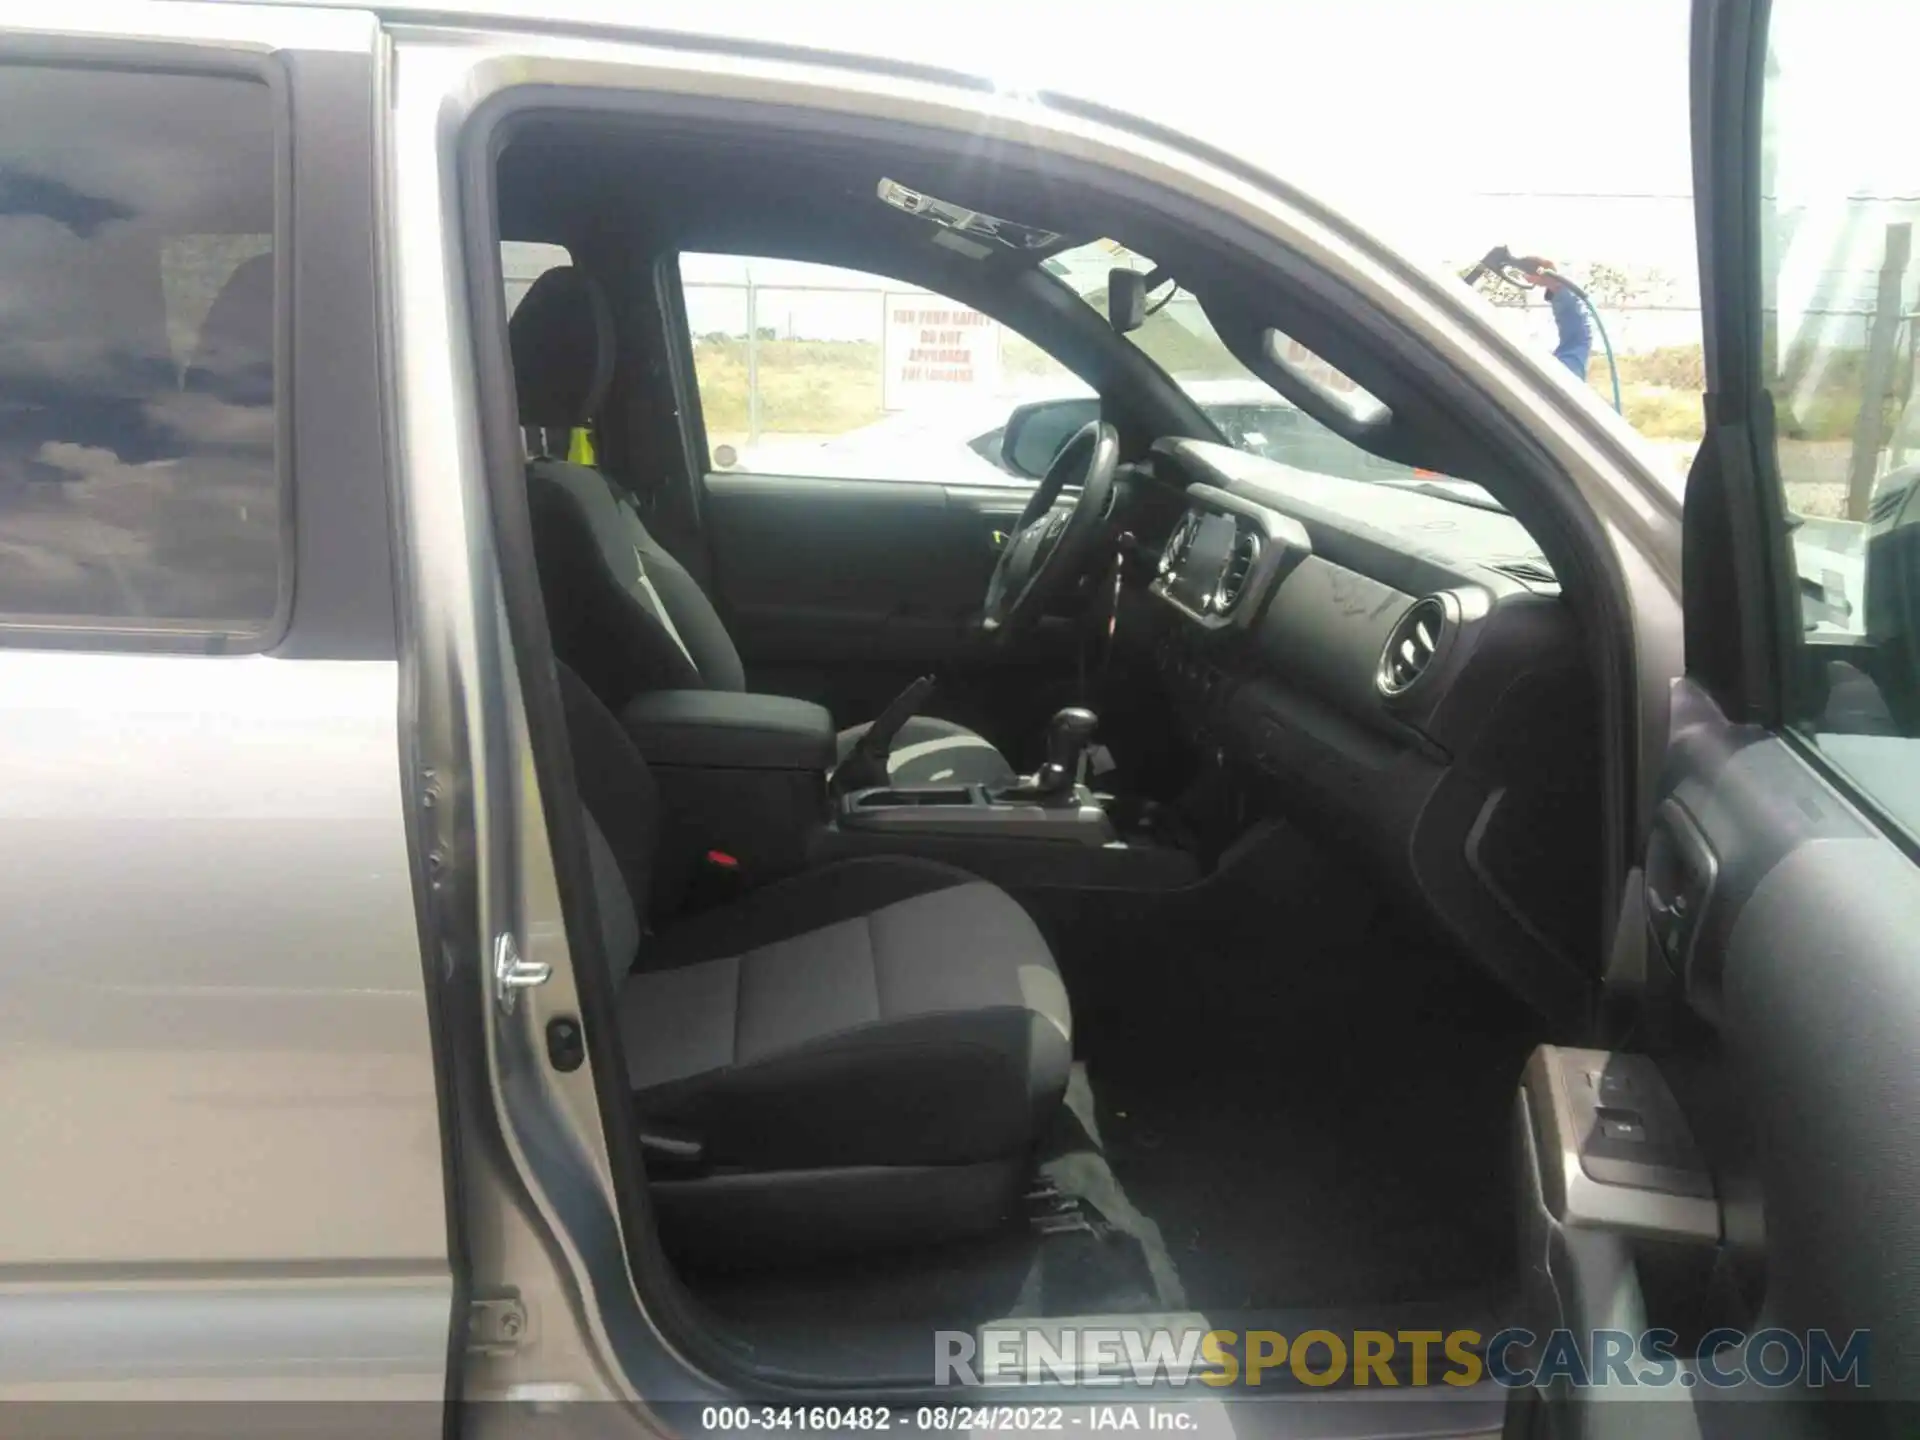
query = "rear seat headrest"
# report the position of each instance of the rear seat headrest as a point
(562, 341)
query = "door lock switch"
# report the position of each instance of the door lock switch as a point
(1623, 1125)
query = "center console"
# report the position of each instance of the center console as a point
(1047, 830)
(742, 780)
(976, 811)
(753, 785)
(1050, 804)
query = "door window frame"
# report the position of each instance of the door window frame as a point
(1746, 640)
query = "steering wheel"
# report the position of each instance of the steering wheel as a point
(1051, 549)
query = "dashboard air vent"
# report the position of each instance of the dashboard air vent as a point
(1412, 646)
(1179, 542)
(1237, 571)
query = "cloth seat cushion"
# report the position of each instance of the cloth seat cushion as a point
(811, 1026)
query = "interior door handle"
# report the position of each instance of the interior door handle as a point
(512, 973)
(1680, 873)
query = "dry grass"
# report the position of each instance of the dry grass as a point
(819, 387)
(1677, 367)
(1658, 412)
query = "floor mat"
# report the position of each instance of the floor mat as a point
(1290, 1097)
(1314, 1107)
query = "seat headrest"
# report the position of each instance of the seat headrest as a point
(562, 341)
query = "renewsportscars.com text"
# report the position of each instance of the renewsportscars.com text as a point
(1069, 1355)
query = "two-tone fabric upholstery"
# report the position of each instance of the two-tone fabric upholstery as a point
(624, 613)
(864, 1053)
(930, 751)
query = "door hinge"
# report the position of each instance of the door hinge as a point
(497, 1325)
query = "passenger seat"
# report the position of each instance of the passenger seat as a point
(860, 1056)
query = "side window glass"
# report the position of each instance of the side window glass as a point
(815, 371)
(140, 485)
(1840, 173)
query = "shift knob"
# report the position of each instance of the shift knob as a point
(1068, 734)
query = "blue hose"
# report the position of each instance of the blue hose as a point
(1502, 262)
(1613, 368)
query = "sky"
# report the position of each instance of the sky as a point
(1556, 127)
(1432, 121)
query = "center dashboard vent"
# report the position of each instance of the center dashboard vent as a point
(1179, 542)
(1412, 646)
(1237, 571)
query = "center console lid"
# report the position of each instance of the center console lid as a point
(724, 729)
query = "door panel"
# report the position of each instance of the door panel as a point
(843, 591)
(820, 571)
(1781, 993)
(1802, 969)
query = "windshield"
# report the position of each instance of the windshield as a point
(1249, 413)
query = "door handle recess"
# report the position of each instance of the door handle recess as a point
(1681, 869)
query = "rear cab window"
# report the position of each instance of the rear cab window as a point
(141, 475)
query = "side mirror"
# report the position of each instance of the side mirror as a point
(1038, 431)
(1126, 300)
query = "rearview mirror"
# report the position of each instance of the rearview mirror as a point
(1038, 431)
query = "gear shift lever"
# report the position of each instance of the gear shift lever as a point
(1068, 734)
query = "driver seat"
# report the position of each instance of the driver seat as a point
(625, 615)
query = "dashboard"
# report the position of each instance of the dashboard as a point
(1395, 660)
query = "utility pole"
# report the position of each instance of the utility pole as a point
(1869, 428)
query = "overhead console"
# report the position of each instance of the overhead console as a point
(1398, 664)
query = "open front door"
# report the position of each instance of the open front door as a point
(1766, 1216)
(1738, 1181)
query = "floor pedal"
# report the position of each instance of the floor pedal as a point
(1050, 1211)
(1070, 1222)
